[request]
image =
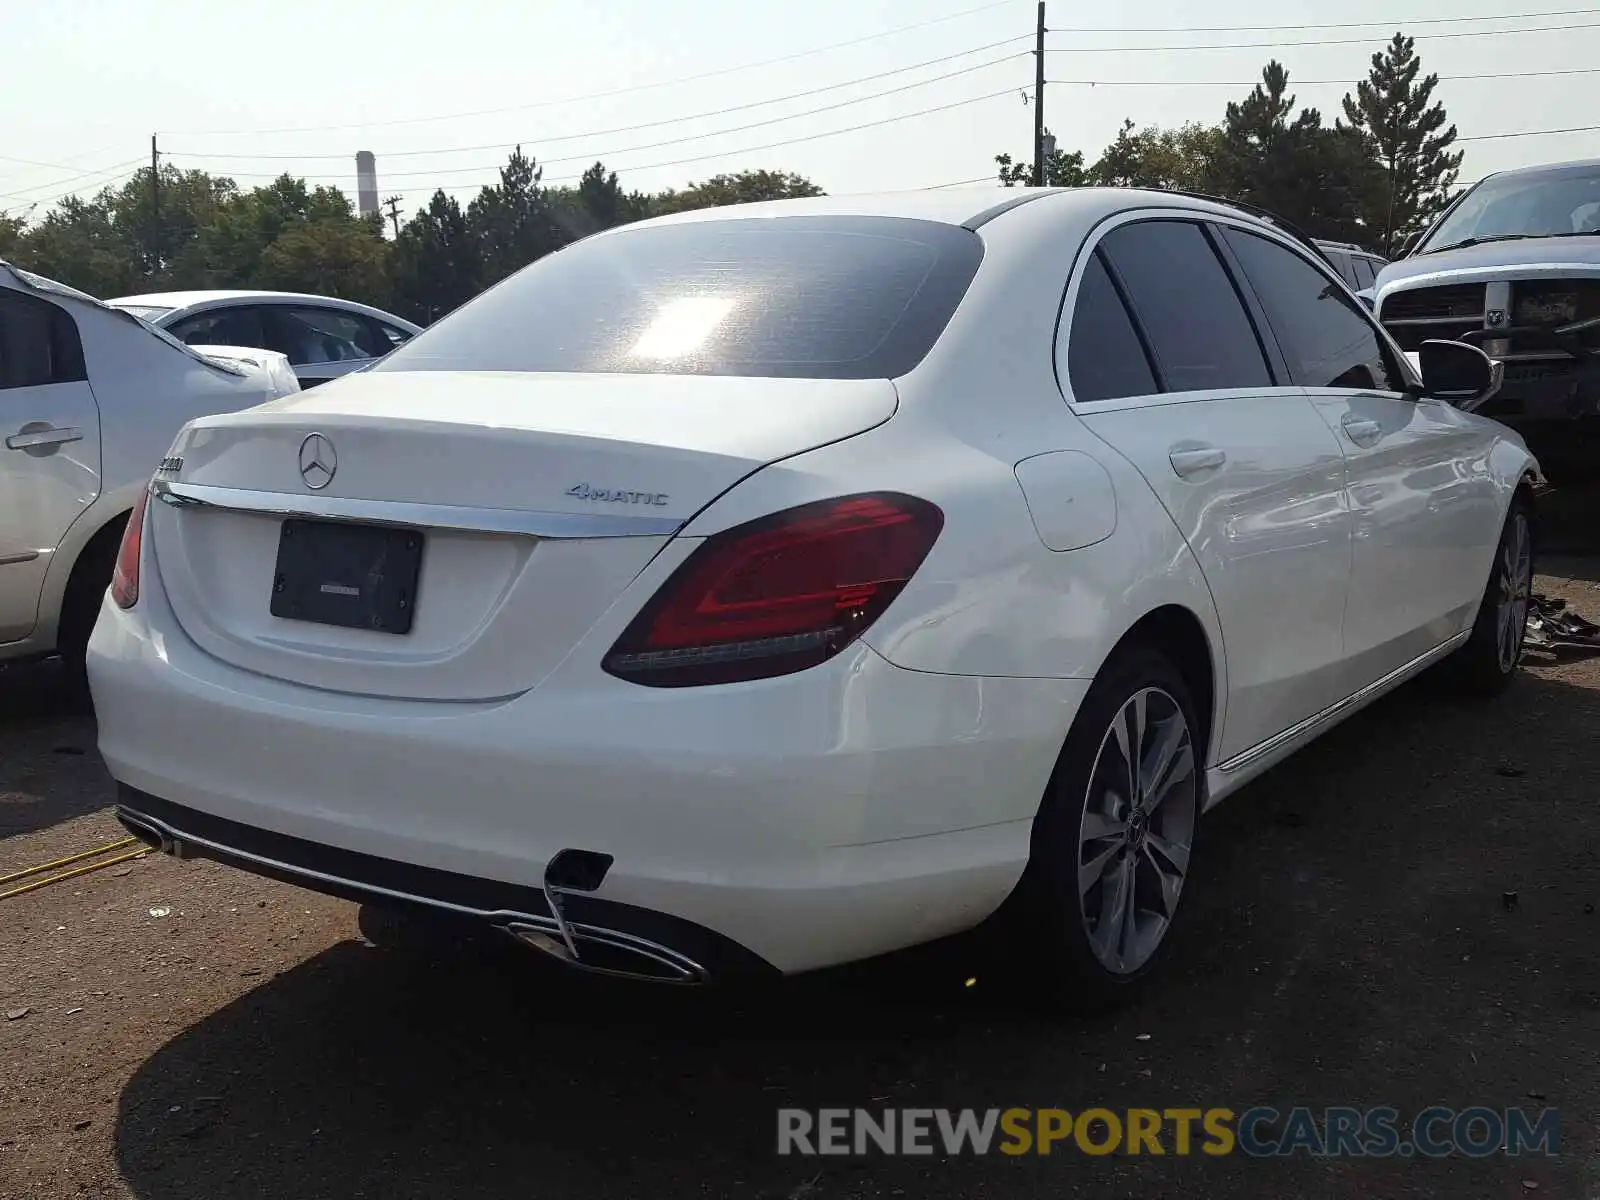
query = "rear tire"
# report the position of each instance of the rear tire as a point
(80, 607)
(1486, 664)
(1114, 838)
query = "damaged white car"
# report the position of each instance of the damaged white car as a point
(90, 399)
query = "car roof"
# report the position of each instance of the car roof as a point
(1576, 164)
(972, 206)
(189, 299)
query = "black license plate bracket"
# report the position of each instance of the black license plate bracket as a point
(348, 575)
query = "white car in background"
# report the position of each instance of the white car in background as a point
(762, 588)
(90, 399)
(323, 337)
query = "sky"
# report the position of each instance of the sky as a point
(666, 94)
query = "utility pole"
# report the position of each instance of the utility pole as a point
(1038, 101)
(393, 205)
(155, 204)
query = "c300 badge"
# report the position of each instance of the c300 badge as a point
(582, 491)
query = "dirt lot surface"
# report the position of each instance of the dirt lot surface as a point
(1403, 915)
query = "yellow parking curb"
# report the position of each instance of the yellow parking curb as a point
(35, 884)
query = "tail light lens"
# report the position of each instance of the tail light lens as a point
(779, 594)
(125, 578)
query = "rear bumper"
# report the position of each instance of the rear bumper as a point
(827, 816)
(617, 938)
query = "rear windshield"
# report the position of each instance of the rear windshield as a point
(808, 297)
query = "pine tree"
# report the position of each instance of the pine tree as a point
(1409, 134)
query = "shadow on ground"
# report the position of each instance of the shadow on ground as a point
(1350, 941)
(49, 771)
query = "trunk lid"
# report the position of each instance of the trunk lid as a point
(535, 501)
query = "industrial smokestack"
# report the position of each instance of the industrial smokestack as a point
(366, 183)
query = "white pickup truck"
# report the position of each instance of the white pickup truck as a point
(90, 399)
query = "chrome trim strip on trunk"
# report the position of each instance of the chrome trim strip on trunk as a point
(175, 842)
(1371, 692)
(427, 516)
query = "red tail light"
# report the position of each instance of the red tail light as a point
(778, 595)
(125, 579)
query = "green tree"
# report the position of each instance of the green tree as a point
(10, 234)
(1394, 113)
(435, 262)
(1307, 174)
(330, 257)
(1061, 169)
(514, 222)
(77, 244)
(1181, 159)
(744, 187)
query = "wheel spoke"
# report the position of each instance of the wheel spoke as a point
(1096, 825)
(1178, 770)
(1171, 880)
(1173, 852)
(1110, 931)
(1163, 760)
(1093, 870)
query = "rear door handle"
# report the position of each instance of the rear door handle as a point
(1362, 431)
(33, 438)
(1193, 462)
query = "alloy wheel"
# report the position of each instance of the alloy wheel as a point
(1514, 583)
(1138, 830)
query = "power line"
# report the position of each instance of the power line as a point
(1495, 137)
(44, 187)
(1515, 16)
(1299, 83)
(609, 92)
(572, 137)
(768, 146)
(1465, 33)
(49, 200)
(690, 138)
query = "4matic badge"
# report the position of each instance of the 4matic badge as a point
(582, 491)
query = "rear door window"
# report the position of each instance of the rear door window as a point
(1186, 303)
(39, 343)
(1363, 268)
(1105, 359)
(828, 297)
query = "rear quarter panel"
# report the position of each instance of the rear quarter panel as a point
(992, 599)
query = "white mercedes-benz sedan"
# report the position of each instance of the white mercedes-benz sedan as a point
(763, 588)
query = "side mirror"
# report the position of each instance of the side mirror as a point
(1365, 296)
(1410, 244)
(1459, 374)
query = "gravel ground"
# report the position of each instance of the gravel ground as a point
(1350, 942)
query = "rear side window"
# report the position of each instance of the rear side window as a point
(324, 335)
(1105, 360)
(232, 326)
(1187, 305)
(1363, 268)
(1324, 335)
(807, 297)
(39, 343)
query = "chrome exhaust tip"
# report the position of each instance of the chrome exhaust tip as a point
(150, 834)
(605, 952)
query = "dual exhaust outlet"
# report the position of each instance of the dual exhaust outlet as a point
(576, 944)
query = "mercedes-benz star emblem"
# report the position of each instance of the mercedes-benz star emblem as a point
(318, 461)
